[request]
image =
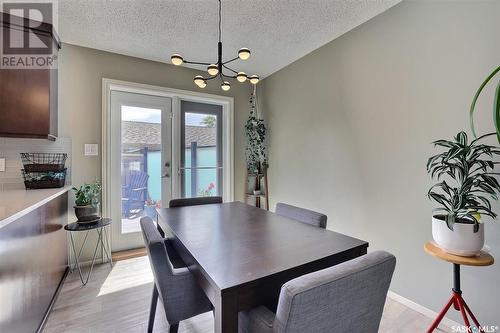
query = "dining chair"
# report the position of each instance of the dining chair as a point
(348, 297)
(301, 214)
(194, 201)
(177, 289)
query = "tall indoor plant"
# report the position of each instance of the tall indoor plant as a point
(255, 131)
(467, 184)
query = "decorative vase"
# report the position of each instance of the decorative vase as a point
(462, 240)
(87, 214)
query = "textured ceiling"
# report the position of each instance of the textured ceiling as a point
(277, 32)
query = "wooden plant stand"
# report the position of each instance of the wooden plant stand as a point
(260, 183)
(483, 259)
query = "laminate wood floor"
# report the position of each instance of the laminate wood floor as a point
(117, 301)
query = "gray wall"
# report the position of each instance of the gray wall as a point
(350, 131)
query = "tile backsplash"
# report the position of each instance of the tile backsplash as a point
(10, 149)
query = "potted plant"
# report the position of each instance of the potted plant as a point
(87, 202)
(255, 131)
(467, 183)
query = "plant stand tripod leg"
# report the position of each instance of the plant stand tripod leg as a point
(464, 315)
(467, 309)
(441, 314)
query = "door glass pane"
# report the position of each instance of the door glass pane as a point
(201, 160)
(140, 165)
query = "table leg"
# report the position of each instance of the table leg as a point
(226, 314)
(106, 247)
(72, 267)
(77, 257)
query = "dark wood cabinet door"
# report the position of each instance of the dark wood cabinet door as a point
(28, 97)
(33, 261)
(25, 102)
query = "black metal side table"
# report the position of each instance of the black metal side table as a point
(100, 228)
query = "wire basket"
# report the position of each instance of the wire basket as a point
(43, 162)
(49, 179)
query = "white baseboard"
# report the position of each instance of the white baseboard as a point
(422, 309)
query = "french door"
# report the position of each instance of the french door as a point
(160, 148)
(141, 151)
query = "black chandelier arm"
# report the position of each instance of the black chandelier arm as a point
(210, 78)
(232, 70)
(229, 76)
(197, 63)
(231, 60)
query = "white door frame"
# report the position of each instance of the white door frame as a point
(177, 95)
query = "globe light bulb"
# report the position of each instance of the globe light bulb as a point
(241, 77)
(244, 53)
(176, 59)
(225, 86)
(213, 70)
(254, 79)
(200, 81)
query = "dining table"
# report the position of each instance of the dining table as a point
(241, 255)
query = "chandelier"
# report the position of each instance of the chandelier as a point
(216, 70)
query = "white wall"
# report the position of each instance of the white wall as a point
(350, 131)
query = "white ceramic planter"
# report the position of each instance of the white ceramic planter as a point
(462, 241)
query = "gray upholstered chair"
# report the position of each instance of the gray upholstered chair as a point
(194, 201)
(301, 215)
(179, 293)
(345, 298)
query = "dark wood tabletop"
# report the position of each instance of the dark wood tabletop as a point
(241, 255)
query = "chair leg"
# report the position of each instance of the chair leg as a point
(173, 328)
(152, 310)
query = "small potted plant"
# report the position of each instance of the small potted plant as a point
(467, 183)
(87, 202)
(206, 192)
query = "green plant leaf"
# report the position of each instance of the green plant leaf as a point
(476, 96)
(450, 220)
(496, 111)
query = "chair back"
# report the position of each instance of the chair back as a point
(302, 215)
(348, 297)
(194, 201)
(157, 253)
(136, 184)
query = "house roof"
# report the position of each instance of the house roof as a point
(140, 134)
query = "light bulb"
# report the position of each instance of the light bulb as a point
(176, 59)
(254, 79)
(213, 70)
(244, 53)
(200, 81)
(241, 77)
(225, 86)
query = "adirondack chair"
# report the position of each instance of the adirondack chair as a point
(134, 191)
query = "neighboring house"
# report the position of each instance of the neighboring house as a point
(141, 144)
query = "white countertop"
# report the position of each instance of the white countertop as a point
(16, 203)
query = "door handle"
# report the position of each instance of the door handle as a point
(167, 174)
